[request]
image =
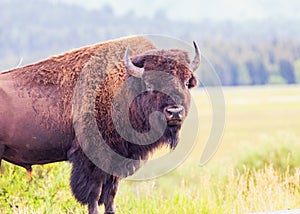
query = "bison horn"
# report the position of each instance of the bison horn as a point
(131, 68)
(196, 62)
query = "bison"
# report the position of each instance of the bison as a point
(38, 125)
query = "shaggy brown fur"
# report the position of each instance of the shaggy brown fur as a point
(36, 100)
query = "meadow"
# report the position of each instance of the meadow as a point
(256, 167)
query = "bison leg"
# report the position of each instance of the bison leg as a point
(85, 189)
(109, 190)
(85, 184)
(93, 207)
(109, 203)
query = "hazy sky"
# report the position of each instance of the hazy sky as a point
(199, 9)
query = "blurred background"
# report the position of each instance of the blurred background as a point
(249, 42)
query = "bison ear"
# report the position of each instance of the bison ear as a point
(193, 82)
(131, 68)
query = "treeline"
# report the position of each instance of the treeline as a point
(256, 63)
(248, 53)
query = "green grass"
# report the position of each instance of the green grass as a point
(257, 167)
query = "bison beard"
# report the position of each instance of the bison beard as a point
(171, 136)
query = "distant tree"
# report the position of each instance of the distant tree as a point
(271, 56)
(243, 75)
(223, 73)
(234, 74)
(257, 72)
(287, 71)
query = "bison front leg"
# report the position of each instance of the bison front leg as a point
(86, 181)
(93, 207)
(86, 191)
(109, 205)
(109, 190)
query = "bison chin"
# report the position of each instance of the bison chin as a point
(171, 136)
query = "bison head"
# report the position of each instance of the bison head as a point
(162, 80)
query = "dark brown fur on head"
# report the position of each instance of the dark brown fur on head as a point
(167, 78)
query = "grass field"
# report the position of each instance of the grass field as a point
(256, 168)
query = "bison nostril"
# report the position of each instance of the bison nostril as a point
(174, 112)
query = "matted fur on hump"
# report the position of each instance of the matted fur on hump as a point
(63, 70)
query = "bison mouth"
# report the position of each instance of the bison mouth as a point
(174, 122)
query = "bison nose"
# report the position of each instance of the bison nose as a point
(174, 112)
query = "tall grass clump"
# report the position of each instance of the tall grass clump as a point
(264, 176)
